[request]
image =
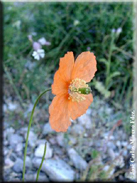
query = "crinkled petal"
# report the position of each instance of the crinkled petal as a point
(66, 66)
(76, 109)
(59, 116)
(59, 86)
(85, 66)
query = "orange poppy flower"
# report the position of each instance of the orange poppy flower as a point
(73, 95)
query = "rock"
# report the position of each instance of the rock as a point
(60, 139)
(94, 113)
(111, 153)
(32, 177)
(53, 140)
(77, 160)
(40, 141)
(118, 143)
(23, 130)
(85, 120)
(72, 140)
(111, 137)
(28, 162)
(32, 138)
(89, 111)
(4, 108)
(5, 151)
(43, 177)
(105, 135)
(109, 110)
(8, 163)
(13, 156)
(120, 135)
(47, 129)
(124, 143)
(77, 129)
(8, 132)
(18, 166)
(14, 139)
(106, 168)
(19, 147)
(111, 145)
(6, 124)
(40, 151)
(5, 142)
(129, 146)
(57, 170)
(58, 150)
(125, 153)
(85, 135)
(12, 106)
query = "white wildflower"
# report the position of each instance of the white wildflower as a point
(30, 38)
(119, 30)
(38, 54)
(76, 22)
(43, 41)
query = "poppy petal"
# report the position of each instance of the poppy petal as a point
(59, 86)
(76, 109)
(85, 66)
(66, 66)
(59, 117)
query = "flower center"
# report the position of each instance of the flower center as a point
(77, 89)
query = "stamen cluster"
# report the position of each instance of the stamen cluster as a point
(77, 89)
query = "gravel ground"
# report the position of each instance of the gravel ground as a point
(96, 146)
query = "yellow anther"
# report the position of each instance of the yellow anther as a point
(77, 89)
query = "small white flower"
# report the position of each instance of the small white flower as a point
(41, 53)
(30, 38)
(43, 41)
(76, 22)
(38, 54)
(119, 30)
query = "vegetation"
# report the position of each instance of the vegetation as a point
(103, 28)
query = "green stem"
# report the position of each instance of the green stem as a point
(30, 121)
(41, 163)
(109, 61)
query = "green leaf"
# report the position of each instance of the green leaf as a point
(114, 74)
(94, 153)
(103, 61)
(100, 87)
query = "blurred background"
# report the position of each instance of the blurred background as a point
(36, 35)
